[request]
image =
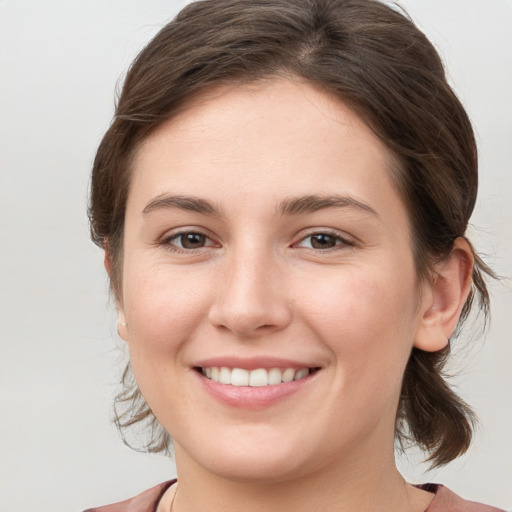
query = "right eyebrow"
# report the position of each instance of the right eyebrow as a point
(189, 203)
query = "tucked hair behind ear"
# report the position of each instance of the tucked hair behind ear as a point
(375, 60)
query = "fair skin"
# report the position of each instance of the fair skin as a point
(263, 231)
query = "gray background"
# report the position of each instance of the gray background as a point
(59, 356)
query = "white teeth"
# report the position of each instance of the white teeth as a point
(301, 374)
(258, 378)
(274, 376)
(239, 377)
(288, 375)
(254, 378)
(225, 376)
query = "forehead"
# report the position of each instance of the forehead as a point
(276, 137)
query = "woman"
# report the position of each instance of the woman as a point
(282, 199)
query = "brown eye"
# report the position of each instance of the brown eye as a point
(323, 241)
(189, 240)
(192, 240)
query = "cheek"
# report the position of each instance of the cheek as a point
(162, 309)
(163, 312)
(368, 318)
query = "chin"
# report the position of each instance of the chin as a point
(259, 460)
(261, 469)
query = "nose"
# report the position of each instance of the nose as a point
(252, 299)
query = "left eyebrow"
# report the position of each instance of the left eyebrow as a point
(313, 203)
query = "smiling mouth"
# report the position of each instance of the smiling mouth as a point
(259, 377)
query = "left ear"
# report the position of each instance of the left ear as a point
(444, 297)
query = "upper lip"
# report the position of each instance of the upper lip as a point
(252, 363)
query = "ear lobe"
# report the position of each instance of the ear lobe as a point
(107, 263)
(444, 297)
(121, 319)
(122, 328)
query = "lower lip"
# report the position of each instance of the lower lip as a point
(253, 397)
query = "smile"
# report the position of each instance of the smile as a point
(259, 377)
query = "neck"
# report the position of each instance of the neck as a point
(369, 486)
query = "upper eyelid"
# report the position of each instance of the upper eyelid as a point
(168, 242)
(341, 241)
(308, 232)
(342, 235)
(176, 232)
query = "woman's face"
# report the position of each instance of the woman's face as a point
(265, 241)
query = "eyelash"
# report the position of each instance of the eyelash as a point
(168, 241)
(339, 241)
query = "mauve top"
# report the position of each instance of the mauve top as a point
(444, 501)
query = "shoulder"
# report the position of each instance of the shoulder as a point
(144, 502)
(447, 501)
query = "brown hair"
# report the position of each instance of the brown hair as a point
(375, 60)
